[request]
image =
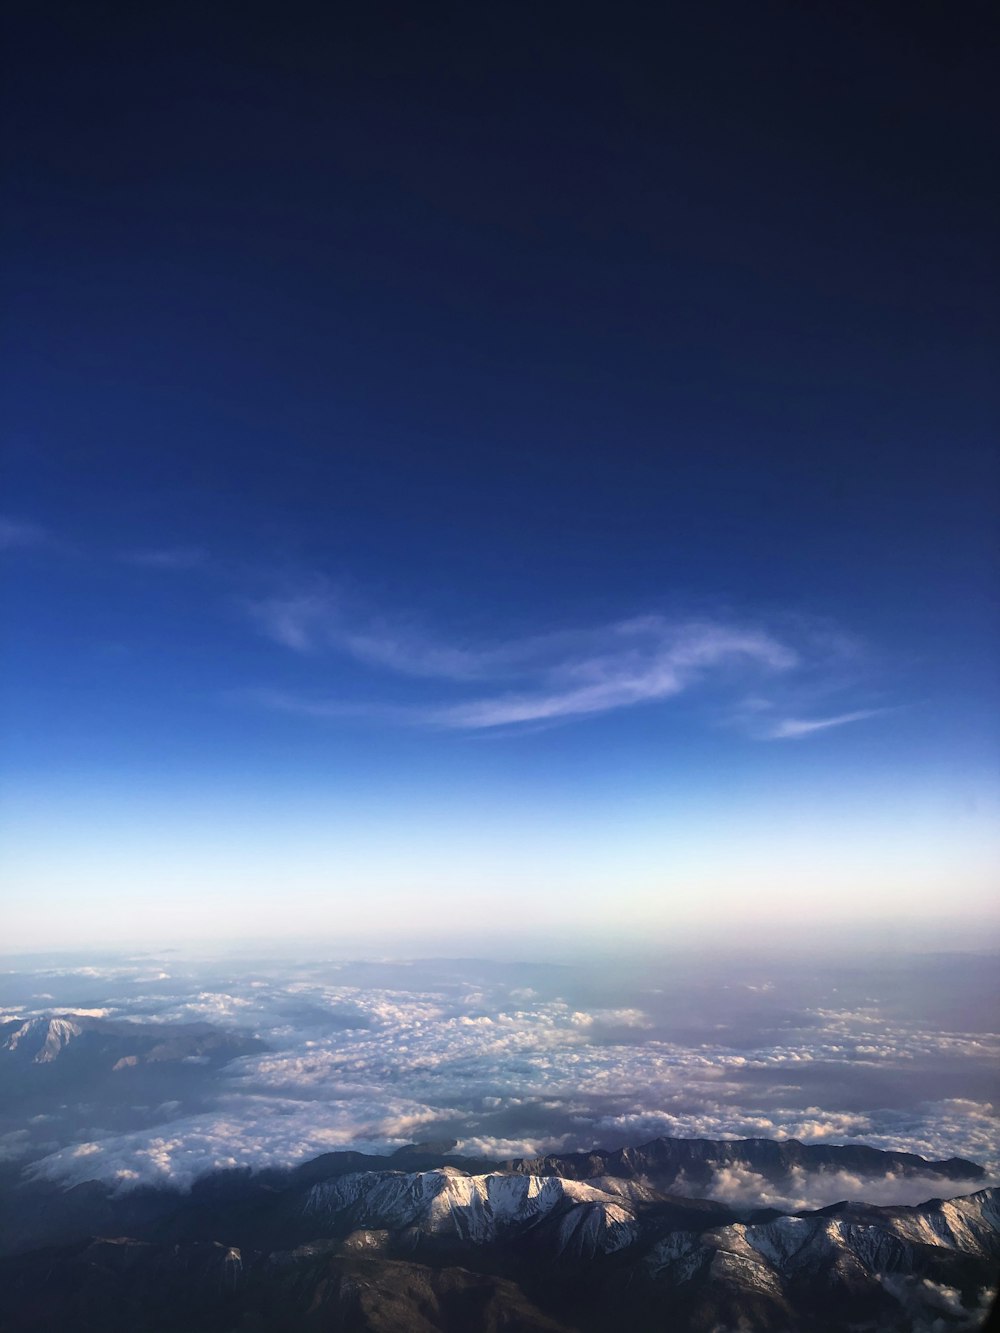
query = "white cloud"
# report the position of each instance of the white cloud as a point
(509, 1072)
(649, 660)
(793, 728)
(815, 1189)
(569, 674)
(935, 1307)
(255, 1132)
(318, 619)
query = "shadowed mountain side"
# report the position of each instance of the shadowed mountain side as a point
(263, 1209)
(122, 1285)
(667, 1160)
(74, 1046)
(876, 1270)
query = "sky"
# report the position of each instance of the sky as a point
(473, 477)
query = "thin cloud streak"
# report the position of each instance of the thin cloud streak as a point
(667, 662)
(568, 674)
(793, 728)
(313, 622)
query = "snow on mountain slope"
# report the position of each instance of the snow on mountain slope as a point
(851, 1237)
(594, 1257)
(479, 1209)
(579, 1220)
(42, 1039)
(91, 1043)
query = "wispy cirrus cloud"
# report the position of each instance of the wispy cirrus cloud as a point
(317, 620)
(561, 675)
(645, 661)
(794, 728)
(569, 673)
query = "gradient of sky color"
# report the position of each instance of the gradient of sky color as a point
(486, 472)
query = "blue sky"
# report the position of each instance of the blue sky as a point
(475, 493)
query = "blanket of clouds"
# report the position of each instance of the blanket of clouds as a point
(515, 1060)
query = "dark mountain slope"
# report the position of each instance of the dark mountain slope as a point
(447, 1250)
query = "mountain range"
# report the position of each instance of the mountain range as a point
(425, 1240)
(81, 1043)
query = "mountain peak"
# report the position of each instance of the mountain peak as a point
(42, 1038)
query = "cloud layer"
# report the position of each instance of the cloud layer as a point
(510, 1070)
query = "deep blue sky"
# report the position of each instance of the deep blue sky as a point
(348, 354)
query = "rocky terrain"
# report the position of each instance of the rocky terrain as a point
(424, 1240)
(75, 1044)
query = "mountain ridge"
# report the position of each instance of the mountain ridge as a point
(114, 1044)
(447, 1249)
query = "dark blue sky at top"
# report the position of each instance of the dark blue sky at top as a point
(513, 318)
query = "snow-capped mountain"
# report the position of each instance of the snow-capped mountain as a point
(41, 1040)
(478, 1209)
(353, 1243)
(891, 1265)
(593, 1217)
(93, 1044)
